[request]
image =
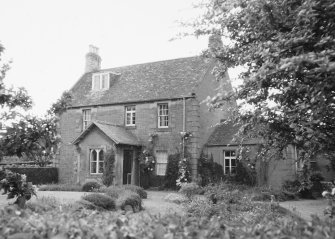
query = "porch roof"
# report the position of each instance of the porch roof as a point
(116, 133)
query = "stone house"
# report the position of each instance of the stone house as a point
(126, 108)
(224, 150)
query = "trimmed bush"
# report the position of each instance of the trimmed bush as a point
(100, 200)
(140, 191)
(38, 175)
(61, 187)
(90, 186)
(114, 191)
(130, 198)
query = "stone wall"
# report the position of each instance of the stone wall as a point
(146, 123)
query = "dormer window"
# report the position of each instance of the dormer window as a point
(100, 81)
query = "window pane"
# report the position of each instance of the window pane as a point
(104, 81)
(128, 119)
(163, 115)
(93, 167)
(94, 155)
(161, 156)
(227, 154)
(233, 153)
(227, 163)
(96, 82)
(162, 159)
(233, 162)
(103, 84)
(101, 155)
(161, 169)
(101, 167)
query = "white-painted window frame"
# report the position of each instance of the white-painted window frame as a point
(87, 117)
(100, 77)
(161, 163)
(230, 158)
(161, 114)
(98, 161)
(131, 111)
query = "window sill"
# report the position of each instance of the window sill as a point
(164, 129)
(130, 127)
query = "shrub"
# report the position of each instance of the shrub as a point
(100, 200)
(317, 188)
(172, 168)
(140, 191)
(61, 187)
(175, 198)
(292, 186)
(189, 189)
(108, 173)
(114, 191)
(43, 204)
(200, 207)
(90, 186)
(16, 186)
(229, 193)
(209, 171)
(244, 174)
(130, 198)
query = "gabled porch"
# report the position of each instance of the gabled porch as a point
(91, 147)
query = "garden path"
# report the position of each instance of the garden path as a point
(154, 204)
(306, 208)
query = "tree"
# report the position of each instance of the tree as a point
(33, 137)
(61, 104)
(11, 98)
(287, 48)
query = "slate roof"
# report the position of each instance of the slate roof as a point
(144, 82)
(223, 135)
(116, 133)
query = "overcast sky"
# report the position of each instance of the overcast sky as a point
(47, 39)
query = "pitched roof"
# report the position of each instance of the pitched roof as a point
(116, 133)
(224, 133)
(143, 82)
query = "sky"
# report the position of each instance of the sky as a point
(47, 40)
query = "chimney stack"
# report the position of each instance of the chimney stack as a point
(93, 60)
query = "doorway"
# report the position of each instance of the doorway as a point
(127, 165)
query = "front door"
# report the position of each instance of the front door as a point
(127, 166)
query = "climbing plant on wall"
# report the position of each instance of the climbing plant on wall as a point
(109, 165)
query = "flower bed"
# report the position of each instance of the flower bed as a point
(69, 223)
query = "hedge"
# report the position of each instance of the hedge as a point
(38, 175)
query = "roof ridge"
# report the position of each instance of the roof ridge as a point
(151, 62)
